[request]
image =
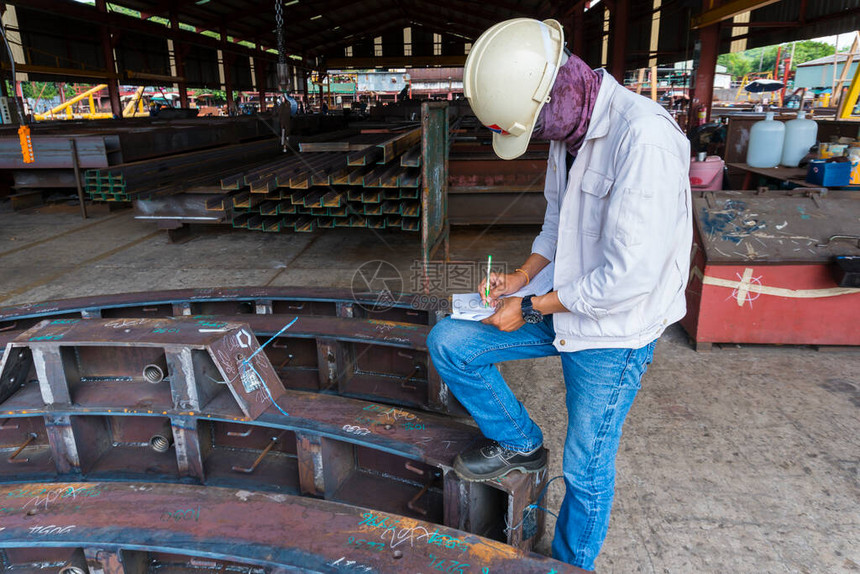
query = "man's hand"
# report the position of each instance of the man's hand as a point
(508, 315)
(501, 284)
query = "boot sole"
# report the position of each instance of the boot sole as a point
(477, 478)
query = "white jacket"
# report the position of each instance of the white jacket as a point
(619, 228)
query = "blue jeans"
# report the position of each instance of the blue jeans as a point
(601, 385)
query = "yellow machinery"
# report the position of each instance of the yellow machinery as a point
(749, 78)
(134, 107)
(848, 102)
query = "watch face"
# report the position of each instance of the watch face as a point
(533, 317)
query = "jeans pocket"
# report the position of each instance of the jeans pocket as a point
(610, 368)
(649, 352)
(637, 365)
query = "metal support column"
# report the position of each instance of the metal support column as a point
(321, 73)
(179, 61)
(260, 66)
(110, 64)
(620, 18)
(226, 63)
(306, 74)
(709, 45)
(577, 43)
(228, 81)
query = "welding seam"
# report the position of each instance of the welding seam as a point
(745, 286)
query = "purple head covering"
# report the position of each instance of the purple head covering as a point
(565, 118)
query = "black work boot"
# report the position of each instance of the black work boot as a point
(494, 461)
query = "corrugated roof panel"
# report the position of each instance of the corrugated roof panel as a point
(325, 27)
(822, 18)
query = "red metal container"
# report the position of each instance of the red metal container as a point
(762, 270)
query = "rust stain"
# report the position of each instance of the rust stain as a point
(489, 550)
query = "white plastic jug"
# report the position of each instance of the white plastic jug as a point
(800, 135)
(766, 138)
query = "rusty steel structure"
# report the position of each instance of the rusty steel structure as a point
(172, 527)
(153, 388)
(486, 190)
(343, 343)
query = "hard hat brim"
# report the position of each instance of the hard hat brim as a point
(510, 146)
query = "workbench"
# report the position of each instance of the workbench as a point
(793, 175)
(762, 268)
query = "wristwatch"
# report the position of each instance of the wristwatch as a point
(530, 314)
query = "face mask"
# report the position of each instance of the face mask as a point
(566, 116)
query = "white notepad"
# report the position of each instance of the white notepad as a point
(469, 307)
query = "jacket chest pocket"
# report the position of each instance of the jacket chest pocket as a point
(595, 202)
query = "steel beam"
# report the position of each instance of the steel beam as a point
(138, 399)
(348, 451)
(55, 71)
(396, 62)
(703, 95)
(473, 171)
(76, 360)
(260, 72)
(179, 60)
(620, 21)
(726, 12)
(52, 152)
(110, 63)
(241, 528)
(577, 43)
(377, 360)
(79, 11)
(289, 301)
(226, 68)
(385, 352)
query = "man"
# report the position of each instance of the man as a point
(617, 230)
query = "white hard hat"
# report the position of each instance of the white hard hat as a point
(508, 76)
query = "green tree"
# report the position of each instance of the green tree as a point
(737, 64)
(764, 59)
(45, 90)
(809, 50)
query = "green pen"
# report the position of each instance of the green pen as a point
(487, 287)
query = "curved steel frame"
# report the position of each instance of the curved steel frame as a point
(384, 340)
(254, 529)
(340, 449)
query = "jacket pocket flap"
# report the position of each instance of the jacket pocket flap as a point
(595, 183)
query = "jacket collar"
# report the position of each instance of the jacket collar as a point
(599, 123)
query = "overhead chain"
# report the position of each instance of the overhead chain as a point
(283, 68)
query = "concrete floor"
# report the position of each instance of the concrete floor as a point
(745, 459)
